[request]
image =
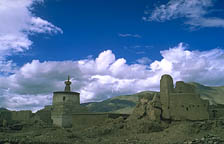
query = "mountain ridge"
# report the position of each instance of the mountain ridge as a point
(126, 103)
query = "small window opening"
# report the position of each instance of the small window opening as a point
(63, 99)
(214, 113)
(187, 109)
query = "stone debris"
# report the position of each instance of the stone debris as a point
(208, 139)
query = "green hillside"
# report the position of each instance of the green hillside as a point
(126, 103)
(214, 94)
(119, 104)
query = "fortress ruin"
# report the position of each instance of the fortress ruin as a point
(181, 102)
(171, 103)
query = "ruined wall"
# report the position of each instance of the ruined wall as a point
(181, 102)
(12, 116)
(149, 107)
(166, 87)
(188, 106)
(44, 114)
(21, 115)
(5, 115)
(216, 111)
(182, 87)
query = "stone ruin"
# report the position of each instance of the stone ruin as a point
(181, 102)
(173, 103)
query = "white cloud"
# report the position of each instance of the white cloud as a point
(129, 35)
(39, 25)
(144, 60)
(12, 43)
(17, 23)
(7, 67)
(194, 11)
(31, 86)
(207, 22)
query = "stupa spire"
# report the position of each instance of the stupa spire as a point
(67, 84)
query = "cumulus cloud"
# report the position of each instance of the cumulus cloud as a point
(31, 86)
(17, 23)
(203, 67)
(194, 11)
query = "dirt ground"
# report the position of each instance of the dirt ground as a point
(117, 131)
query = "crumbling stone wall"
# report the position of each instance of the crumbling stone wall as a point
(182, 87)
(5, 115)
(166, 88)
(181, 102)
(25, 115)
(216, 111)
(44, 114)
(187, 106)
(10, 117)
(149, 107)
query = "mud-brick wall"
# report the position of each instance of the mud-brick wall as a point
(86, 120)
(188, 106)
(5, 115)
(44, 114)
(220, 113)
(216, 113)
(21, 115)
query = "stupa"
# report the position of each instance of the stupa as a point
(64, 103)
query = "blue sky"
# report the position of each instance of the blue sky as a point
(108, 47)
(89, 27)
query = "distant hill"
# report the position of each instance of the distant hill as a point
(126, 103)
(214, 94)
(3, 109)
(118, 104)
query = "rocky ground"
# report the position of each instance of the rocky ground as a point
(117, 131)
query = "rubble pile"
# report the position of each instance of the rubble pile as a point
(208, 139)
